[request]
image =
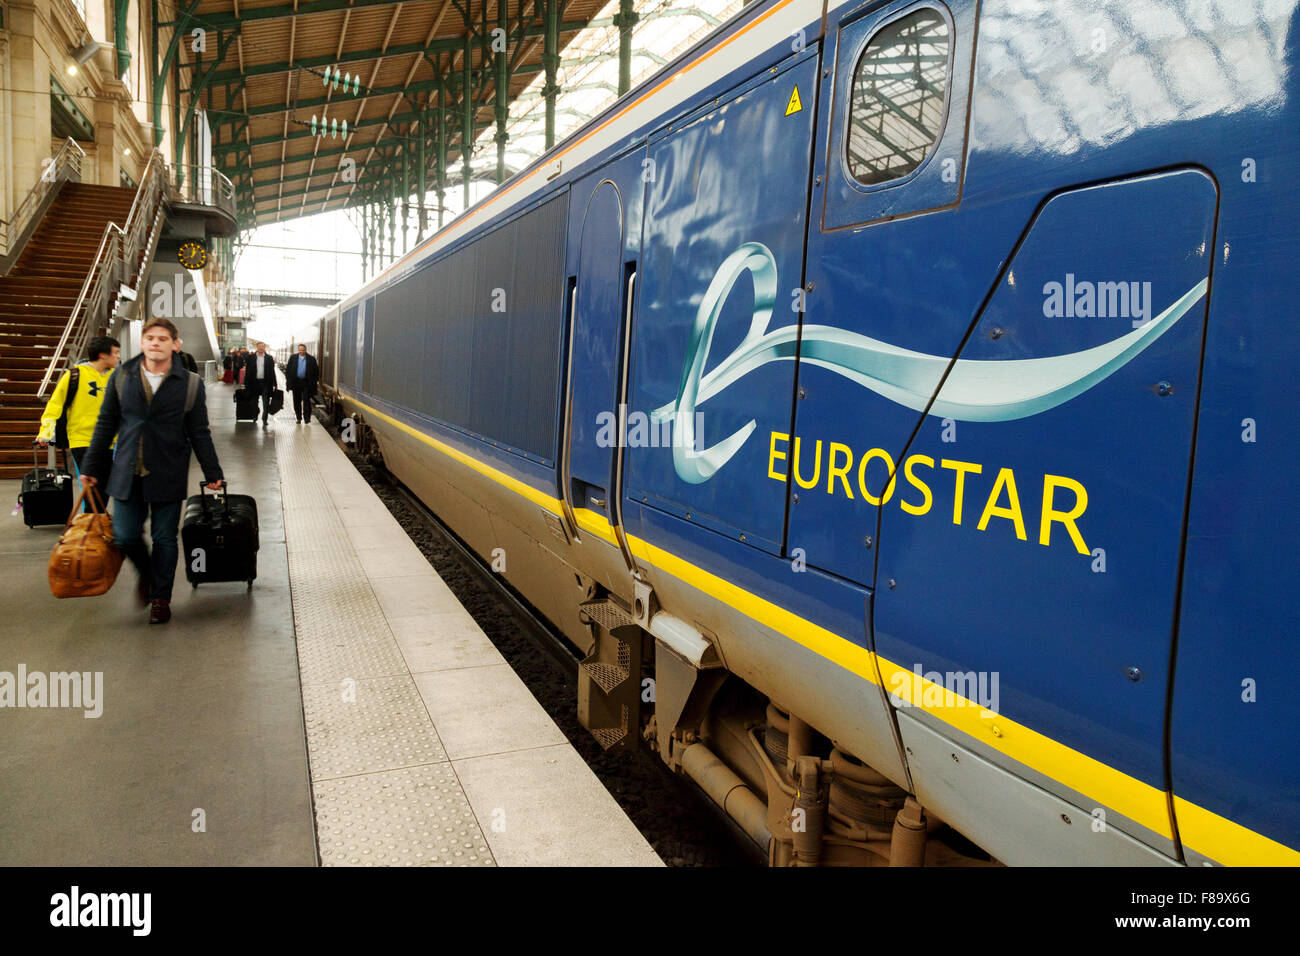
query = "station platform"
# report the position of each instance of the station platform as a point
(346, 711)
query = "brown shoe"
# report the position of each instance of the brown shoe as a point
(160, 611)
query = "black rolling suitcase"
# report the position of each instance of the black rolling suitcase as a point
(46, 496)
(245, 405)
(219, 538)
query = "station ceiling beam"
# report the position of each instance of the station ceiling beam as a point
(442, 45)
(286, 11)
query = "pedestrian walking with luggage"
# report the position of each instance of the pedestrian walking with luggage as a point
(69, 417)
(156, 409)
(300, 376)
(259, 378)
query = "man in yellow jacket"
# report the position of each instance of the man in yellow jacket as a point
(87, 395)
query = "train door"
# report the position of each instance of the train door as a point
(892, 269)
(365, 344)
(605, 212)
(720, 290)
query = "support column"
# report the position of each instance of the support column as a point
(391, 206)
(625, 19)
(467, 113)
(501, 61)
(442, 149)
(365, 245)
(551, 63)
(422, 131)
(406, 196)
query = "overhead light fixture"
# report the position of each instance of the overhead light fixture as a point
(126, 151)
(72, 69)
(84, 52)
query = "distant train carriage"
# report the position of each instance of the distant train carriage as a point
(882, 402)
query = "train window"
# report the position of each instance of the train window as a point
(897, 100)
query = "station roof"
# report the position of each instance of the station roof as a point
(259, 68)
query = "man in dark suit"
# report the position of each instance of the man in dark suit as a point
(186, 358)
(156, 409)
(300, 376)
(259, 378)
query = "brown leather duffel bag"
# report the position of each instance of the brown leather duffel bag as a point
(85, 562)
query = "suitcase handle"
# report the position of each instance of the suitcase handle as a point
(50, 462)
(204, 495)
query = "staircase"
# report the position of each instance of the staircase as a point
(36, 299)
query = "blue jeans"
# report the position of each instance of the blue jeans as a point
(128, 530)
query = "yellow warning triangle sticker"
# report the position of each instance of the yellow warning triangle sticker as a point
(794, 106)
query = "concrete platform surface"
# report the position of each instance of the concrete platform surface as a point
(347, 711)
(425, 746)
(198, 756)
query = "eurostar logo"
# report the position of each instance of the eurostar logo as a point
(974, 391)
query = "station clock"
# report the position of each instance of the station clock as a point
(192, 254)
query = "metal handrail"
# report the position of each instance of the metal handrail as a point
(117, 259)
(66, 164)
(203, 185)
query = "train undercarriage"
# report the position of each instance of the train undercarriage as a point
(646, 678)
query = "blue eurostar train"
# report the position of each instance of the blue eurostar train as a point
(881, 399)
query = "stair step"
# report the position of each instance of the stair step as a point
(39, 336)
(13, 365)
(606, 613)
(12, 343)
(48, 295)
(12, 286)
(607, 676)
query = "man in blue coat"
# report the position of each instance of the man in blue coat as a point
(156, 409)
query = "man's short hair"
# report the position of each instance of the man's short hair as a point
(160, 323)
(101, 345)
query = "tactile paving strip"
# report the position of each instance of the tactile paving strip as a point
(349, 636)
(367, 725)
(384, 791)
(411, 817)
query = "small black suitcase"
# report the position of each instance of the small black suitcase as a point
(46, 496)
(245, 405)
(277, 401)
(219, 536)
